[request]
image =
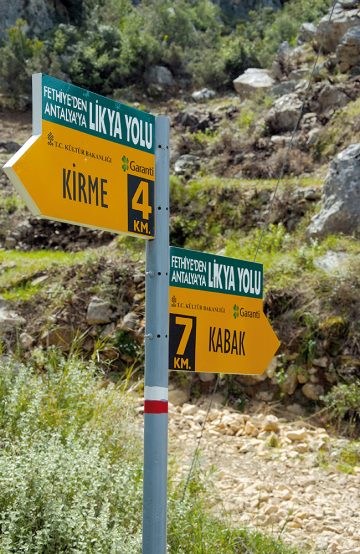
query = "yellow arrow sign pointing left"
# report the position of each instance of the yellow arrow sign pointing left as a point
(86, 175)
(65, 175)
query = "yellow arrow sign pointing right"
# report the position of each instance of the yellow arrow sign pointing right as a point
(216, 332)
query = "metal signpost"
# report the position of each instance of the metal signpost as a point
(156, 357)
(217, 323)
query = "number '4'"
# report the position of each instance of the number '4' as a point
(140, 200)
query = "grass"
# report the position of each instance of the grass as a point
(209, 213)
(70, 469)
(345, 460)
(21, 293)
(10, 203)
(285, 256)
(20, 269)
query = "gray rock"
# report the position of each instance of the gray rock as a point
(332, 262)
(160, 76)
(307, 32)
(98, 312)
(348, 51)
(178, 397)
(348, 4)
(24, 228)
(187, 165)
(332, 97)
(313, 136)
(130, 321)
(329, 33)
(203, 94)
(312, 391)
(280, 89)
(10, 146)
(321, 362)
(26, 341)
(287, 60)
(290, 383)
(10, 243)
(9, 320)
(252, 80)
(298, 74)
(195, 120)
(284, 114)
(280, 141)
(311, 194)
(309, 121)
(340, 212)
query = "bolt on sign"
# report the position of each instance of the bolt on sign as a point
(216, 318)
(90, 161)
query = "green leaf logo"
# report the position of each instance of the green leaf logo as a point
(236, 311)
(125, 163)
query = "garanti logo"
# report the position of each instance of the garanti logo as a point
(50, 138)
(133, 166)
(236, 311)
(125, 163)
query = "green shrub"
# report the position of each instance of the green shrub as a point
(52, 394)
(67, 496)
(20, 56)
(267, 28)
(182, 36)
(89, 58)
(343, 403)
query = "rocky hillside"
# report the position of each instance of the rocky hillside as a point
(292, 129)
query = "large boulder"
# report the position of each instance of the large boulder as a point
(348, 51)
(284, 114)
(332, 97)
(329, 33)
(340, 212)
(159, 76)
(253, 79)
(307, 32)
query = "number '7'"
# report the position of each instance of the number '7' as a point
(188, 323)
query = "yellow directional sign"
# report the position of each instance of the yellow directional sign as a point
(90, 160)
(217, 322)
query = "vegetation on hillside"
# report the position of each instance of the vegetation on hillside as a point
(116, 42)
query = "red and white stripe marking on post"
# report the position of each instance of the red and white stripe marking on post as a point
(156, 400)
